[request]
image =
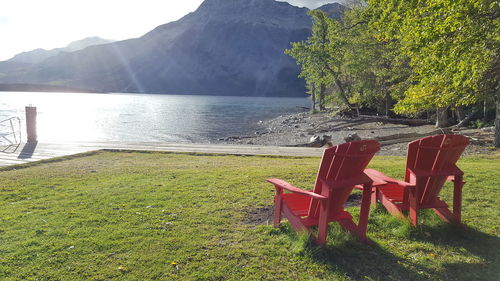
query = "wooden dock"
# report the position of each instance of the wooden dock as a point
(28, 152)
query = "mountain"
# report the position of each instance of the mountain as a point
(223, 48)
(334, 10)
(38, 55)
(39, 88)
(85, 42)
(9, 66)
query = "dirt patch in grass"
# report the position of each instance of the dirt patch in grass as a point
(353, 201)
(264, 215)
(260, 216)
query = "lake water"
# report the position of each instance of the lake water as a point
(71, 117)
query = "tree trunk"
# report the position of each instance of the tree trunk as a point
(342, 93)
(485, 110)
(466, 120)
(313, 97)
(460, 113)
(387, 105)
(497, 119)
(322, 90)
(442, 117)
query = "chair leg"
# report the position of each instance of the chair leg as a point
(278, 206)
(458, 184)
(374, 196)
(350, 226)
(392, 208)
(413, 207)
(364, 212)
(323, 223)
(444, 213)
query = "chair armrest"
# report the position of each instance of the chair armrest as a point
(376, 177)
(284, 185)
(453, 171)
(380, 177)
(362, 179)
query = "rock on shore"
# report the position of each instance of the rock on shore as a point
(297, 130)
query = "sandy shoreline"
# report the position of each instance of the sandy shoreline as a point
(297, 129)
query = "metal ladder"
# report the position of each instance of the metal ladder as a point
(8, 131)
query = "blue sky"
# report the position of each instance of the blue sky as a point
(29, 24)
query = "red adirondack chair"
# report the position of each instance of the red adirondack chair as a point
(340, 170)
(430, 162)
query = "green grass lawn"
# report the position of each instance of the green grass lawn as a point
(161, 216)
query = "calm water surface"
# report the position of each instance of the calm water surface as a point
(79, 117)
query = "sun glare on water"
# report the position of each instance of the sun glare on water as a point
(67, 117)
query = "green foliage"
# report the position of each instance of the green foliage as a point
(378, 72)
(347, 58)
(480, 124)
(453, 46)
(312, 56)
(163, 216)
(406, 56)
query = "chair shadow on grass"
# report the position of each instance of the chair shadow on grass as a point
(343, 253)
(355, 260)
(474, 242)
(360, 261)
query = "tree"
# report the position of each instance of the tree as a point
(497, 120)
(311, 55)
(378, 71)
(452, 45)
(321, 58)
(420, 55)
(347, 58)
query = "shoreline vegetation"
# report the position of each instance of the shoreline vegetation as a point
(411, 58)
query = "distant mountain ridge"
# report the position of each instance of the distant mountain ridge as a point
(223, 48)
(38, 55)
(334, 10)
(39, 88)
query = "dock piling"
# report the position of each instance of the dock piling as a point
(31, 123)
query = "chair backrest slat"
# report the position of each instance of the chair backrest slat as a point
(343, 162)
(432, 154)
